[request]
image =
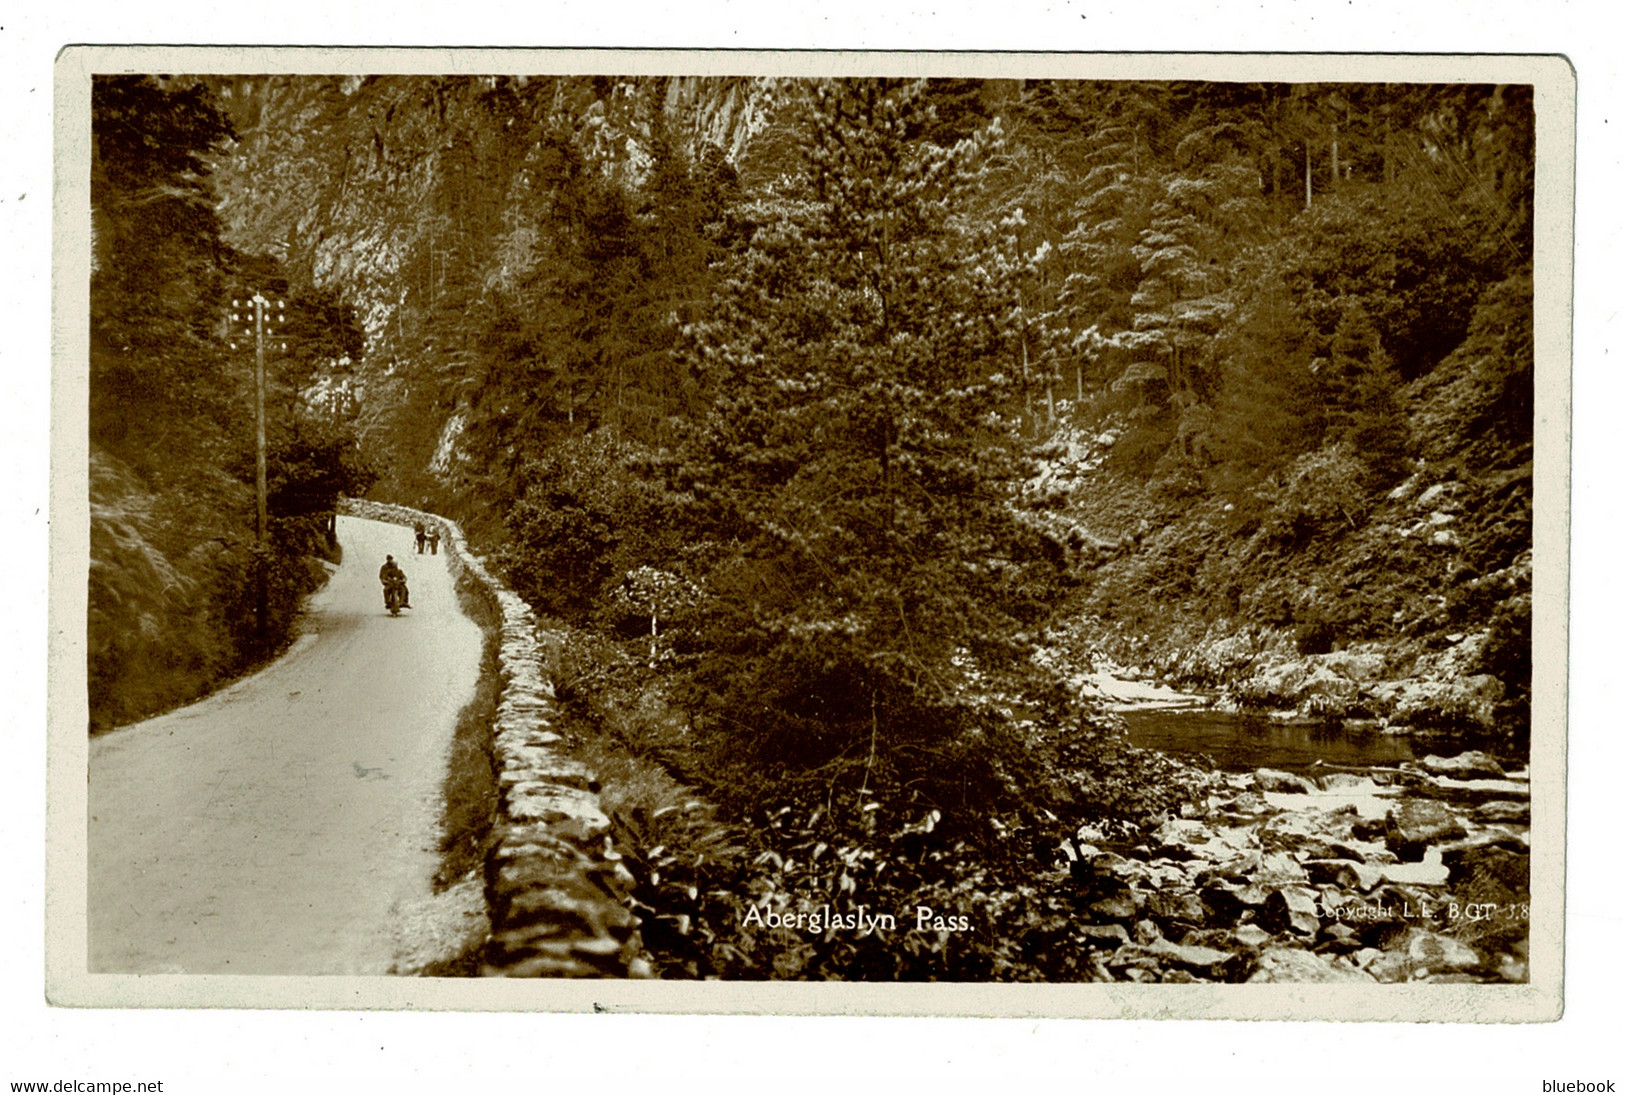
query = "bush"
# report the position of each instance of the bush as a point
(173, 587)
(1316, 635)
(1508, 652)
(1321, 490)
(585, 516)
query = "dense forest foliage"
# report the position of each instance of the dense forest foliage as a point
(840, 425)
(182, 595)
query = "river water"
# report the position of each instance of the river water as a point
(1242, 743)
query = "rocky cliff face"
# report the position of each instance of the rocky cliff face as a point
(431, 204)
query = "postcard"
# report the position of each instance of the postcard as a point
(811, 533)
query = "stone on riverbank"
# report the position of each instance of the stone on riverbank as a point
(1288, 965)
(1182, 910)
(1291, 909)
(1467, 701)
(1103, 935)
(1418, 954)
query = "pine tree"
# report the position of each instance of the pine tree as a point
(1360, 389)
(1268, 409)
(870, 580)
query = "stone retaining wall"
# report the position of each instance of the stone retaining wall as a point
(555, 888)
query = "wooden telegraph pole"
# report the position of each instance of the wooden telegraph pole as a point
(262, 317)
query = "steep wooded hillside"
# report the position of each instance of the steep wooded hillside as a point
(1269, 319)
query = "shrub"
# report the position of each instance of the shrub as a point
(1320, 490)
(586, 515)
(1316, 635)
(1508, 651)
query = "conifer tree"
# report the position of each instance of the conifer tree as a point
(1361, 393)
(1268, 409)
(870, 580)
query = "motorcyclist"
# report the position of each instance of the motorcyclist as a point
(391, 573)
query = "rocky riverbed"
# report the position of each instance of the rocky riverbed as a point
(1417, 872)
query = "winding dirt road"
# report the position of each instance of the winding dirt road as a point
(289, 824)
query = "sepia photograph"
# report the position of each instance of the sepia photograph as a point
(1000, 535)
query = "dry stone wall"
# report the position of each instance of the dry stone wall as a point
(556, 889)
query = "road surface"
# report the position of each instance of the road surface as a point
(290, 823)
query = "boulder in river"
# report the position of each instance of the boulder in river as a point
(1315, 834)
(1246, 806)
(1469, 765)
(1346, 781)
(1416, 823)
(1270, 781)
(1347, 874)
(1504, 810)
(1428, 872)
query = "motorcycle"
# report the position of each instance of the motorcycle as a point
(394, 596)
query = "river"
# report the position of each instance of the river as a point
(1242, 743)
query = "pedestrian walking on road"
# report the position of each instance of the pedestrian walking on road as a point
(434, 539)
(418, 530)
